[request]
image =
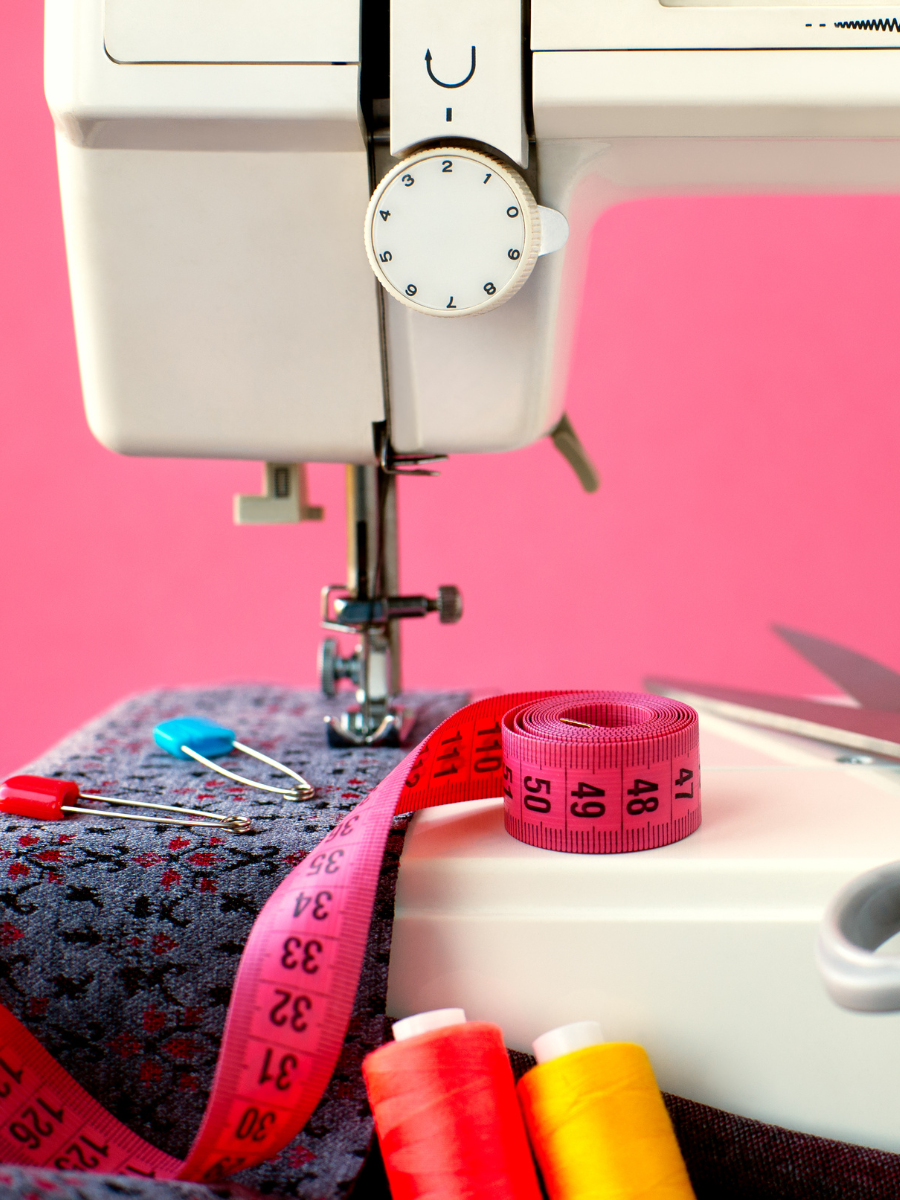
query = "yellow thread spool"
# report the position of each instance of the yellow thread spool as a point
(598, 1124)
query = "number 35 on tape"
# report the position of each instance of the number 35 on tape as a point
(587, 772)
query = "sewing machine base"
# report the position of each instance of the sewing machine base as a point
(702, 951)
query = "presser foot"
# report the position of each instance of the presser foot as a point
(352, 728)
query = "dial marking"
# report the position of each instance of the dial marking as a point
(431, 75)
(468, 246)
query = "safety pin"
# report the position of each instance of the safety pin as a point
(49, 799)
(201, 740)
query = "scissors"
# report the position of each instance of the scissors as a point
(873, 727)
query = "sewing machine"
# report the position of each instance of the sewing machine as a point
(240, 176)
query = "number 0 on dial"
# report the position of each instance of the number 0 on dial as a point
(452, 232)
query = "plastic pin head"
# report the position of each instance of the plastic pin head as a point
(197, 734)
(32, 796)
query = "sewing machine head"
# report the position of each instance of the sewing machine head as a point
(218, 160)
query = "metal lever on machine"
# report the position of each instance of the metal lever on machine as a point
(353, 614)
(333, 668)
(393, 463)
(569, 444)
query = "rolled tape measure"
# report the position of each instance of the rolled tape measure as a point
(601, 772)
(592, 772)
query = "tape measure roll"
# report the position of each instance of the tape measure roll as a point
(294, 991)
(601, 772)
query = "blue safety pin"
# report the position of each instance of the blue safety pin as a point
(202, 740)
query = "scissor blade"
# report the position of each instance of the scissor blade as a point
(866, 680)
(857, 728)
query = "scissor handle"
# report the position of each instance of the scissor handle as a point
(860, 918)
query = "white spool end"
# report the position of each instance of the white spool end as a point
(564, 1040)
(425, 1022)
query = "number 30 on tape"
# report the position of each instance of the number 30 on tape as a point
(588, 772)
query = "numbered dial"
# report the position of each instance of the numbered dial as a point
(452, 232)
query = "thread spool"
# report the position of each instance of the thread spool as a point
(597, 1121)
(446, 1112)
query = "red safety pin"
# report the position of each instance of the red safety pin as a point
(51, 799)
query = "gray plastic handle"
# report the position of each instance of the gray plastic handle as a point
(859, 919)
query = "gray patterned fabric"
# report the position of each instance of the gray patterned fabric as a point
(119, 941)
(33, 1184)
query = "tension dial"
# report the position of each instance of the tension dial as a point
(452, 232)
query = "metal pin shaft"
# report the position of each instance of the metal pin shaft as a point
(176, 808)
(232, 824)
(295, 793)
(306, 789)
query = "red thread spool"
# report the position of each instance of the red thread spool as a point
(32, 796)
(446, 1112)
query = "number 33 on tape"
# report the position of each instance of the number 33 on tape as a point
(588, 772)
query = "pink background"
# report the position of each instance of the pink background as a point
(735, 380)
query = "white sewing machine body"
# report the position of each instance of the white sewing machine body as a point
(702, 951)
(215, 174)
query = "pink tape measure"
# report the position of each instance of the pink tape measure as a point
(601, 772)
(588, 772)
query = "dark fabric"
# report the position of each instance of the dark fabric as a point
(119, 941)
(734, 1158)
